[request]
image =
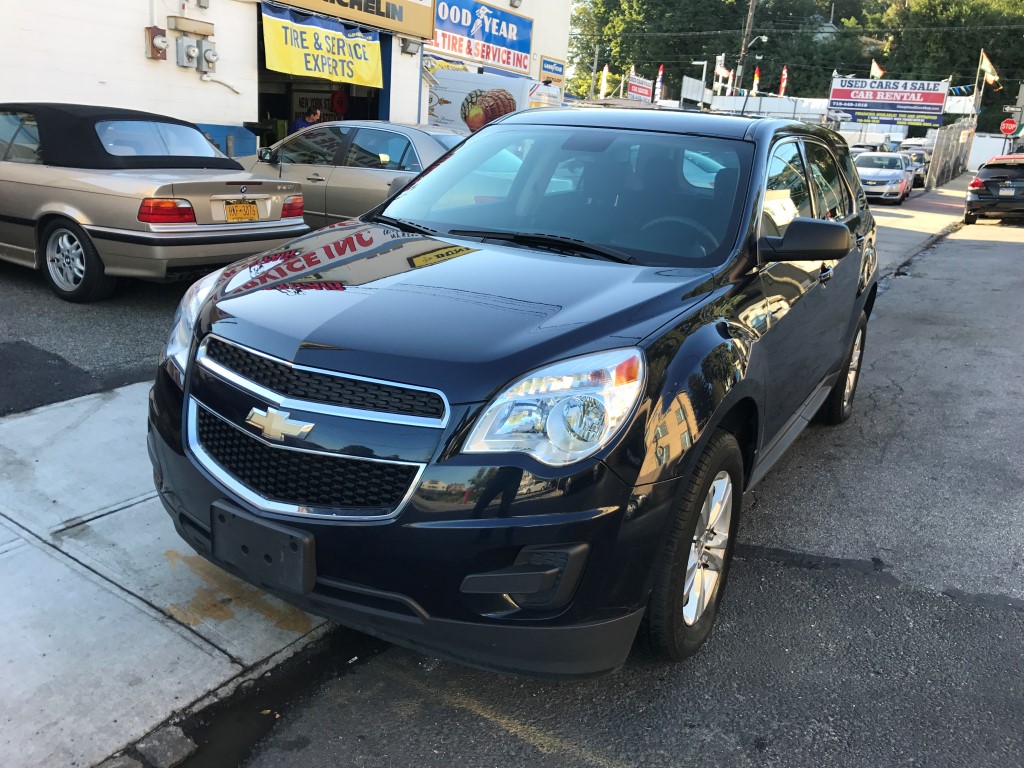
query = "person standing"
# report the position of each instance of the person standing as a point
(312, 117)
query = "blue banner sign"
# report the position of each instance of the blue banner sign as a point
(475, 30)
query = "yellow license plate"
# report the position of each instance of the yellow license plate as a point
(242, 212)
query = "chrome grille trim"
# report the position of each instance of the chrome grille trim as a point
(285, 402)
(233, 485)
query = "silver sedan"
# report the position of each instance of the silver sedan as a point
(347, 167)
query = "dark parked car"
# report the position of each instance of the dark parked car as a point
(510, 428)
(997, 191)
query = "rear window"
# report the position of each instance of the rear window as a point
(128, 138)
(447, 140)
(1014, 171)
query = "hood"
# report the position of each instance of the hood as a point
(456, 315)
(880, 174)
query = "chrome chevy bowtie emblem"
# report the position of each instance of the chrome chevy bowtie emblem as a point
(276, 425)
(243, 189)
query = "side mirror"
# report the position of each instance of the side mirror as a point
(266, 155)
(808, 240)
(399, 183)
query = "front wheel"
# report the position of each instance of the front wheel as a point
(839, 405)
(71, 265)
(691, 576)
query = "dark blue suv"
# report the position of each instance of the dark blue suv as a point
(508, 417)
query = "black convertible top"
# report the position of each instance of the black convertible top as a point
(68, 138)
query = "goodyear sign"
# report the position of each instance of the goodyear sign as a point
(475, 30)
(313, 46)
(553, 70)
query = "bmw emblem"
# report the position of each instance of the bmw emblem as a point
(243, 189)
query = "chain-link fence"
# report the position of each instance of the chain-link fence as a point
(952, 147)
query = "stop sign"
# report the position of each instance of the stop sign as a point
(1008, 126)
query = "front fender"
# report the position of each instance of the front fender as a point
(691, 385)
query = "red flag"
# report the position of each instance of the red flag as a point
(757, 79)
(785, 79)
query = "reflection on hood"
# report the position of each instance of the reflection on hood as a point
(348, 254)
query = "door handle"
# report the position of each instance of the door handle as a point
(825, 275)
(316, 177)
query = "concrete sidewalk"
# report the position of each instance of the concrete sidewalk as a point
(112, 624)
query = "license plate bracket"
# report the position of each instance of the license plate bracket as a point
(241, 210)
(267, 553)
(1007, 191)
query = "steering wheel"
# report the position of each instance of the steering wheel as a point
(709, 240)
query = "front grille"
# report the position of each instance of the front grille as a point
(302, 478)
(326, 388)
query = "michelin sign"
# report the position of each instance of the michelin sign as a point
(473, 30)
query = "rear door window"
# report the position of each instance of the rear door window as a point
(387, 150)
(22, 143)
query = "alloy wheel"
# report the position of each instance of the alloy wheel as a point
(707, 552)
(65, 260)
(853, 371)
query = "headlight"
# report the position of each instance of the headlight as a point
(565, 412)
(185, 317)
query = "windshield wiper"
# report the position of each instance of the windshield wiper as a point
(402, 224)
(542, 240)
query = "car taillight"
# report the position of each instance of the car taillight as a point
(293, 206)
(976, 183)
(166, 210)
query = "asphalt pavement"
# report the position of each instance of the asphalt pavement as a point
(875, 614)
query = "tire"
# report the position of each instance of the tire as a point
(839, 405)
(970, 218)
(678, 621)
(71, 266)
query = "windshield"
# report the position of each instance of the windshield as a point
(888, 162)
(664, 199)
(124, 138)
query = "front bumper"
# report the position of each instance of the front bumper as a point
(152, 255)
(884, 192)
(405, 579)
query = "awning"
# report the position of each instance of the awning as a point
(315, 46)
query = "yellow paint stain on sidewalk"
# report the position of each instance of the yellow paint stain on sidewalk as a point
(225, 593)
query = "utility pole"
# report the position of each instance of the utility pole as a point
(746, 41)
(593, 73)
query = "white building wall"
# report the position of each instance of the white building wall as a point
(407, 99)
(93, 53)
(551, 22)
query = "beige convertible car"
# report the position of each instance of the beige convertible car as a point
(88, 194)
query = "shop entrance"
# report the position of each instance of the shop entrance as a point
(284, 97)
